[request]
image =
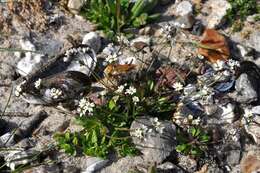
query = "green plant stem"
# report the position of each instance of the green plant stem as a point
(3, 49)
(118, 138)
(118, 14)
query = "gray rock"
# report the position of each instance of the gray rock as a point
(254, 40)
(184, 22)
(198, 28)
(245, 91)
(26, 128)
(75, 5)
(61, 78)
(168, 167)
(53, 168)
(252, 18)
(15, 158)
(218, 12)
(31, 60)
(253, 128)
(184, 8)
(227, 113)
(94, 164)
(7, 140)
(156, 144)
(125, 164)
(187, 163)
(233, 158)
(93, 40)
(244, 50)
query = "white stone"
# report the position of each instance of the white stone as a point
(184, 8)
(88, 66)
(218, 12)
(75, 5)
(94, 164)
(228, 114)
(28, 63)
(93, 40)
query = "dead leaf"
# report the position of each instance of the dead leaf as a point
(204, 169)
(213, 46)
(117, 69)
(167, 76)
(250, 164)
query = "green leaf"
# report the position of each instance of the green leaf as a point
(180, 148)
(75, 141)
(67, 136)
(94, 138)
(195, 131)
(151, 85)
(204, 138)
(111, 104)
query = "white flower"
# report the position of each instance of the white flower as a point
(135, 99)
(177, 86)
(190, 117)
(157, 125)
(196, 121)
(111, 58)
(18, 90)
(219, 65)
(200, 56)
(140, 132)
(185, 121)
(85, 106)
(131, 90)
(226, 73)
(55, 93)
(103, 93)
(178, 122)
(120, 89)
(232, 64)
(37, 83)
(248, 113)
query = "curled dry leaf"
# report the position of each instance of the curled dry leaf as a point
(204, 169)
(167, 76)
(250, 163)
(117, 69)
(213, 46)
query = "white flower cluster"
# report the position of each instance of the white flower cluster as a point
(73, 51)
(181, 120)
(131, 90)
(18, 90)
(37, 84)
(112, 58)
(85, 107)
(157, 125)
(230, 64)
(55, 93)
(136, 99)
(142, 132)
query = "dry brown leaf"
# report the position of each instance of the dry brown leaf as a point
(213, 46)
(204, 169)
(250, 164)
(167, 76)
(117, 69)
